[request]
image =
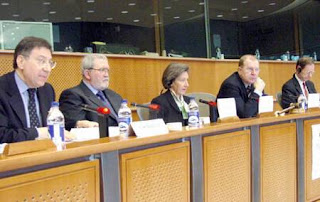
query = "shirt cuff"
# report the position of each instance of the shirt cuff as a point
(258, 92)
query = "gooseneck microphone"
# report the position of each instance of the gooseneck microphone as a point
(154, 107)
(210, 103)
(103, 116)
(98, 110)
(212, 109)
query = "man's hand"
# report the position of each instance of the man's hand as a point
(86, 124)
(259, 85)
(68, 136)
(43, 133)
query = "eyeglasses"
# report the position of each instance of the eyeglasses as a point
(252, 69)
(43, 62)
(102, 70)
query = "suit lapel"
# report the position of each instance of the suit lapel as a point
(44, 104)
(171, 101)
(297, 85)
(92, 97)
(112, 102)
(15, 100)
(310, 87)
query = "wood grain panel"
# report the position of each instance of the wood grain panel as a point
(138, 78)
(75, 182)
(312, 187)
(227, 167)
(278, 162)
(157, 174)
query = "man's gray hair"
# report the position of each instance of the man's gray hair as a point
(88, 61)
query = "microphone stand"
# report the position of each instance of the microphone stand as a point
(103, 125)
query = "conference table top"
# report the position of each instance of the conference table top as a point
(86, 148)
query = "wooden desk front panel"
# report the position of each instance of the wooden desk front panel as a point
(227, 167)
(75, 182)
(312, 187)
(157, 174)
(278, 162)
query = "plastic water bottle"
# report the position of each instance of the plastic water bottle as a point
(315, 56)
(288, 55)
(302, 101)
(124, 118)
(55, 122)
(257, 53)
(193, 115)
(218, 51)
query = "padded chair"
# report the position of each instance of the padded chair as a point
(279, 97)
(143, 113)
(203, 108)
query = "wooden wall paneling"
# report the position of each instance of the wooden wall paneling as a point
(138, 78)
(227, 167)
(157, 174)
(278, 162)
(75, 182)
(312, 187)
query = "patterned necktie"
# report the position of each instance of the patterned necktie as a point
(34, 119)
(305, 90)
(248, 90)
(107, 104)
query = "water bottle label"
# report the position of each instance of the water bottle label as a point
(56, 129)
(124, 124)
(193, 119)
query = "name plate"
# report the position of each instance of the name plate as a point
(227, 107)
(313, 100)
(265, 104)
(149, 128)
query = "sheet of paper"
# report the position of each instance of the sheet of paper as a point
(83, 134)
(265, 104)
(226, 107)
(315, 151)
(149, 127)
(313, 100)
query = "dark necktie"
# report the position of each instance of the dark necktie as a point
(34, 119)
(106, 103)
(305, 90)
(248, 90)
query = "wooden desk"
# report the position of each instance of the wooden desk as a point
(259, 159)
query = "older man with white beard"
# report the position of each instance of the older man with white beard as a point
(93, 91)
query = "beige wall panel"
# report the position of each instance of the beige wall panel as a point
(138, 78)
(227, 167)
(278, 163)
(75, 182)
(312, 187)
(157, 174)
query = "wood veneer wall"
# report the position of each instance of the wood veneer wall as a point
(138, 78)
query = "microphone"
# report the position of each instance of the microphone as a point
(291, 107)
(103, 116)
(98, 110)
(153, 107)
(210, 103)
(212, 109)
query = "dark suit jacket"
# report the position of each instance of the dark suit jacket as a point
(234, 87)
(71, 100)
(13, 123)
(291, 91)
(169, 109)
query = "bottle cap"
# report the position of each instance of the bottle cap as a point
(124, 101)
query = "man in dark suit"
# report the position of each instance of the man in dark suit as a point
(25, 97)
(300, 82)
(244, 86)
(93, 91)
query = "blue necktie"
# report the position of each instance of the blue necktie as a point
(34, 119)
(106, 103)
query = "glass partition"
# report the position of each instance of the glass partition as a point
(282, 29)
